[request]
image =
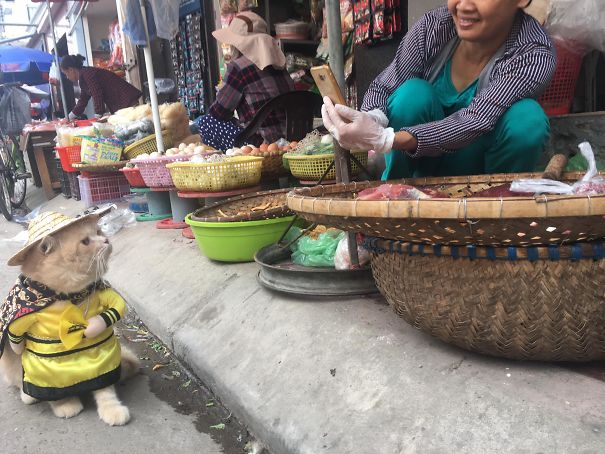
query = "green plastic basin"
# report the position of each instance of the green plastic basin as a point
(236, 241)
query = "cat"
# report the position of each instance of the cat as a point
(67, 262)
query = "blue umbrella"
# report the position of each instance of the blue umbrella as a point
(21, 64)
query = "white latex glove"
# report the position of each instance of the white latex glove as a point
(356, 130)
(379, 116)
(96, 325)
(18, 348)
(71, 116)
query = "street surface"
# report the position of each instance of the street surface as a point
(170, 410)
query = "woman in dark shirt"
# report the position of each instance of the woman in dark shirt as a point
(104, 87)
(459, 97)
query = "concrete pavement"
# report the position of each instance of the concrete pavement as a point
(343, 375)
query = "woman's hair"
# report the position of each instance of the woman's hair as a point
(72, 61)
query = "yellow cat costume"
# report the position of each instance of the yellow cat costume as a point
(52, 370)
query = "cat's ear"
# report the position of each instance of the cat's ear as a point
(47, 245)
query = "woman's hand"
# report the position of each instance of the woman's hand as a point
(356, 130)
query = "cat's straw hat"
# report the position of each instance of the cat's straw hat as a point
(46, 224)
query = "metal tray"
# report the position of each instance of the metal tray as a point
(279, 273)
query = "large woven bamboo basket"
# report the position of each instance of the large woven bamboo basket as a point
(460, 219)
(537, 303)
(246, 207)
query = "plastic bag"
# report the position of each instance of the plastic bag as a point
(16, 110)
(166, 15)
(315, 252)
(342, 258)
(590, 183)
(114, 221)
(582, 22)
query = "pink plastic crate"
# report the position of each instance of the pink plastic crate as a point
(154, 171)
(103, 188)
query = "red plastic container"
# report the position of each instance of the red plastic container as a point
(134, 177)
(69, 155)
(558, 96)
(82, 123)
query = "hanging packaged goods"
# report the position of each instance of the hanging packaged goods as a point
(189, 62)
(376, 20)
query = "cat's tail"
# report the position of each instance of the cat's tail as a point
(130, 364)
(10, 367)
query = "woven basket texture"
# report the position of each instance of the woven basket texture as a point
(312, 167)
(273, 166)
(234, 173)
(543, 310)
(246, 207)
(154, 171)
(147, 145)
(458, 220)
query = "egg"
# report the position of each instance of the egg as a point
(155, 154)
(198, 149)
(293, 144)
(264, 147)
(170, 152)
(272, 147)
(246, 149)
(182, 146)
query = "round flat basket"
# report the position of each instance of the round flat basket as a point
(537, 303)
(460, 218)
(246, 207)
(312, 167)
(233, 173)
(147, 145)
(104, 167)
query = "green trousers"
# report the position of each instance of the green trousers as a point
(514, 145)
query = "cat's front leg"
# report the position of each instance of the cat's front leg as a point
(109, 407)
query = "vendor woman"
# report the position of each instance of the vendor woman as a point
(460, 96)
(255, 75)
(106, 89)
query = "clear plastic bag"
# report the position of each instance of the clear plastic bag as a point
(342, 258)
(166, 16)
(16, 110)
(116, 220)
(590, 183)
(581, 22)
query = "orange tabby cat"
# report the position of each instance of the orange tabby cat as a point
(62, 266)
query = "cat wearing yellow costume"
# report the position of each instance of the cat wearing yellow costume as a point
(58, 320)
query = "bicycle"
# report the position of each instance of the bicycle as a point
(13, 172)
(13, 175)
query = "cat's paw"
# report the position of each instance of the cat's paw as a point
(28, 400)
(114, 415)
(67, 408)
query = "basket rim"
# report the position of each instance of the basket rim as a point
(317, 200)
(240, 223)
(554, 252)
(303, 157)
(231, 160)
(283, 210)
(150, 137)
(159, 160)
(119, 165)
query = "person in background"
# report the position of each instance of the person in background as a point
(255, 75)
(459, 97)
(106, 89)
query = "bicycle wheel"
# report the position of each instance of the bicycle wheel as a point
(5, 183)
(19, 176)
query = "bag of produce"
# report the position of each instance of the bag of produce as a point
(316, 250)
